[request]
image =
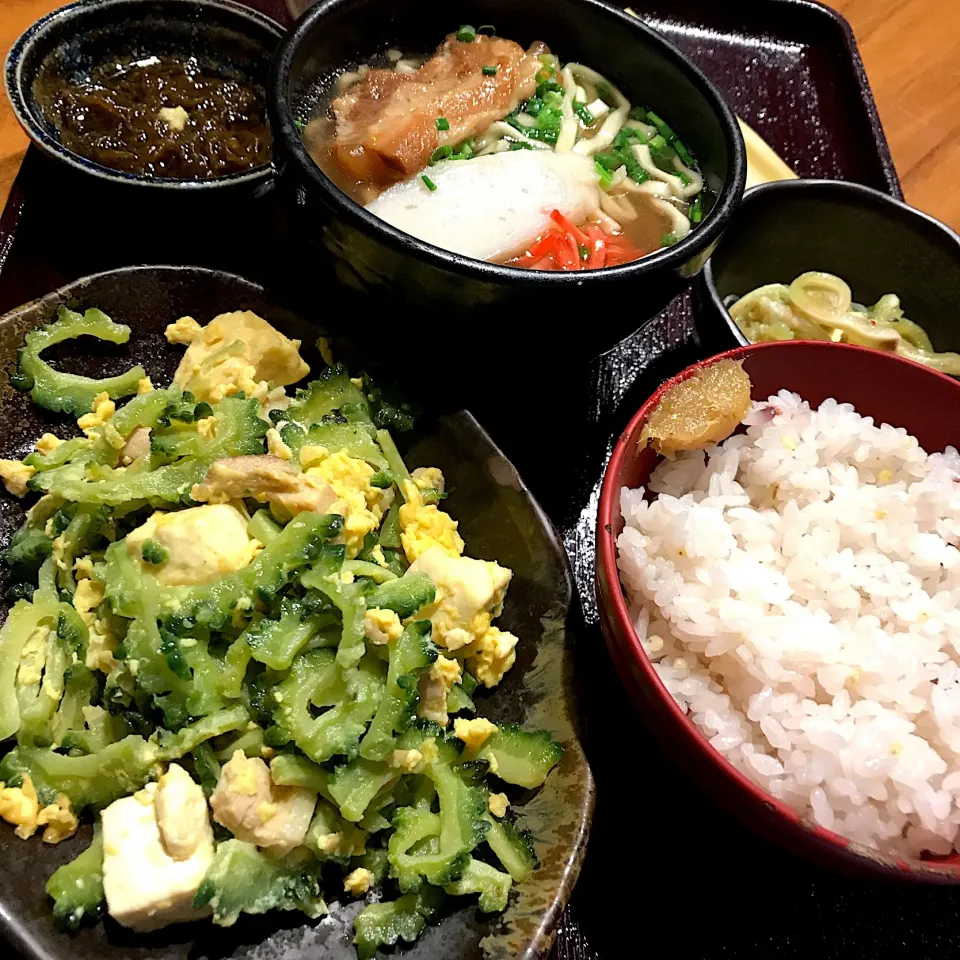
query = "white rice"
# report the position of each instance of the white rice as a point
(797, 589)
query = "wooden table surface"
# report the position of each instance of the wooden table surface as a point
(915, 76)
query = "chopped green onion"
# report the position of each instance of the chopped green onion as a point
(443, 123)
(490, 71)
(683, 152)
(684, 179)
(584, 252)
(517, 145)
(463, 150)
(441, 153)
(661, 125)
(488, 29)
(606, 177)
(657, 143)
(428, 183)
(466, 34)
(605, 94)
(669, 239)
(638, 113)
(533, 106)
(609, 161)
(299, 124)
(696, 210)
(586, 117)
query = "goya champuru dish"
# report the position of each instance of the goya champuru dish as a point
(820, 306)
(507, 155)
(247, 645)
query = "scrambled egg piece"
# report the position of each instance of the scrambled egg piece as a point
(470, 594)
(423, 527)
(181, 810)
(33, 657)
(144, 386)
(409, 761)
(382, 626)
(207, 427)
(428, 478)
(103, 409)
(253, 808)
(19, 805)
(58, 818)
(358, 882)
(235, 351)
(202, 544)
(497, 804)
(276, 447)
(474, 733)
(494, 656)
(15, 476)
(361, 504)
(102, 640)
(48, 443)
(435, 684)
(84, 568)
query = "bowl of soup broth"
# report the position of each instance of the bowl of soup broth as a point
(504, 156)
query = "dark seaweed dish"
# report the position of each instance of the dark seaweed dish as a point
(164, 117)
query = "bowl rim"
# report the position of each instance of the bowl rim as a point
(621, 634)
(696, 242)
(17, 84)
(857, 193)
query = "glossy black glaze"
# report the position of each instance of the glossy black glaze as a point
(226, 36)
(875, 243)
(390, 266)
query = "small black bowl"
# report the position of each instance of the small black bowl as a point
(567, 314)
(226, 36)
(876, 244)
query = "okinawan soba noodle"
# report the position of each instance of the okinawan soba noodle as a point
(819, 306)
(668, 193)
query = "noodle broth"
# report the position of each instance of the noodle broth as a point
(632, 187)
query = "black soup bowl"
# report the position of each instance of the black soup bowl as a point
(572, 315)
(876, 244)
(230, 39)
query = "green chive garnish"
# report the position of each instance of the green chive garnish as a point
(466, 34)
(428, 183)
(443, 123)
(441, 153)
(490, 71)
(696, 210)
(580, 109)
(584, 252)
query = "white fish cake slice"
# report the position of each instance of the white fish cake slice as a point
(492, 207)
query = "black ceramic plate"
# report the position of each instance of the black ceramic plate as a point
(498, 519)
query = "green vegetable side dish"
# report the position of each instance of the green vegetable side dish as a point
(248, 645)
(819, 306)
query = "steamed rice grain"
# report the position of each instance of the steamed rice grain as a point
(797, 588)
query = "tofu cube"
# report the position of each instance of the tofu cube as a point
(145, 887)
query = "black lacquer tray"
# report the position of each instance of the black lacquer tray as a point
(666, 871)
